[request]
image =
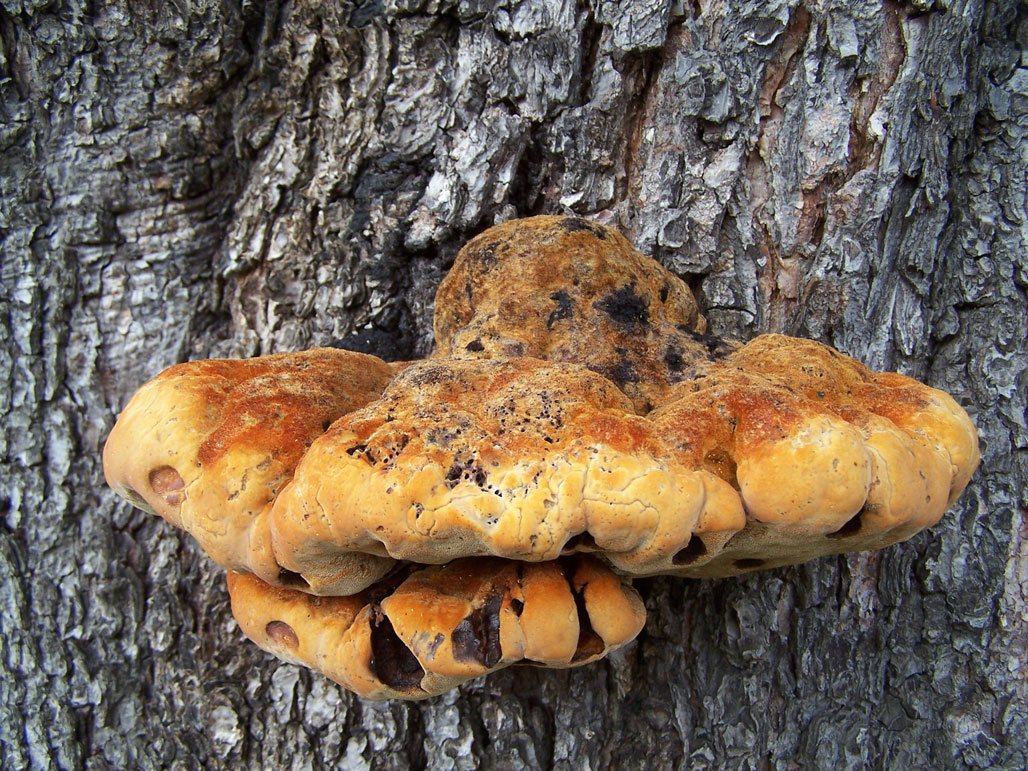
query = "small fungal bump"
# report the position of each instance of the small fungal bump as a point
(283, 634)
(167, 483)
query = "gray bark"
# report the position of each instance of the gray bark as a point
(198, 178)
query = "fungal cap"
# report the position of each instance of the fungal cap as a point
(423, 633)
(207, 445)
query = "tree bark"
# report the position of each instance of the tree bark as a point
(193, 179)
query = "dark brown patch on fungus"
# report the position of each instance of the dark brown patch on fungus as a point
(563, 309)
(468, 472)
(717, 347)
(693, 551)
(486, 255)
(391, 661)
(477, 637)
(589, 643)
(852, 527)
(748, 563)
(623, 373)
(387, 585)
(673, 359)
(625, 307)
(583, 540)
(580, 225)
(291, 580)
(430, 375)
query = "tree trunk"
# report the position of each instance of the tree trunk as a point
(196, 178)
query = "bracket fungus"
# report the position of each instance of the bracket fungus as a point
(426, 629)
(402, 528)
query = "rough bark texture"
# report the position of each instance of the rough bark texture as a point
(200, 178)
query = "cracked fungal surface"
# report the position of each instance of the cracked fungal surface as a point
(575, 422)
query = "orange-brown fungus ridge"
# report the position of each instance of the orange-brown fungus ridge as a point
(402, 528)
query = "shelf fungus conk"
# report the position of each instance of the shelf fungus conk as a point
(403, 528)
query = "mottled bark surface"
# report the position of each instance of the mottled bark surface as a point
(195, 178)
